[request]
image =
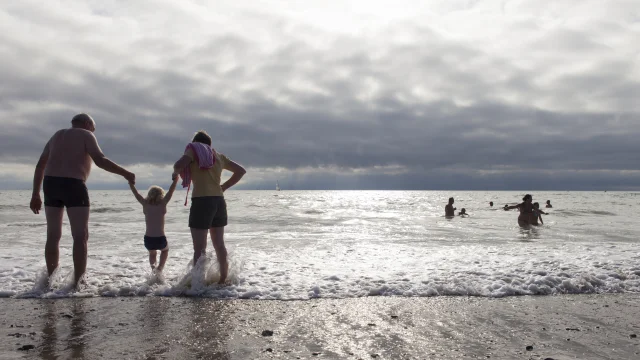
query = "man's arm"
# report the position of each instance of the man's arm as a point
(38, 175)
(172, 188)
(238, 172)
(136, 193)
(102, 162)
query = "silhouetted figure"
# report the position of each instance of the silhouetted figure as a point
(449, 210)
(549, 204)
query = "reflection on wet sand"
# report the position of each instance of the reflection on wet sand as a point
(49, 334)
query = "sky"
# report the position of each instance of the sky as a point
(323, 94)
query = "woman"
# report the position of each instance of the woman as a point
(526, 211)
(208, 214)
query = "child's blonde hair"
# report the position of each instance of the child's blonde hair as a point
(155, 195)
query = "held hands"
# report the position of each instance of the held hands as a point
(131, 178)
(36, 204)
(175, 177)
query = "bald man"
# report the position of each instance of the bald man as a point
(62, 170)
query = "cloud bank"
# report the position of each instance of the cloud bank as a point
(338, 95)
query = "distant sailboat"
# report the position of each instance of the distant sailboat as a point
(277, 186)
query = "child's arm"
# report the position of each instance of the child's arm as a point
(172, 188)
(136, 194)
(540, 217)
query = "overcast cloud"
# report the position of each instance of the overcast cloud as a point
(333, 94)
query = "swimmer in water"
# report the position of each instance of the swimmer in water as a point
(449, 210)
(491, 203)
(525, 219)
(548, 204)
(463, 212)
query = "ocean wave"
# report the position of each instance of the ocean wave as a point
(201, 281)
(28, 224)
(582, 212)
(101, 210)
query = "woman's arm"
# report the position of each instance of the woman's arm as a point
(512, 207)
(182, 163)
(238, 172)
(172, 188)
(136, 194)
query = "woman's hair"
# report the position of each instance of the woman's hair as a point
(528, 196)
(202, 137)
(155, 195)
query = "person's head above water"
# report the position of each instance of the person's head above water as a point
(83, 121)
(202, 137)
(548, 202)
(527, 198)
(463, 211)
(450, 200)
(490, 203)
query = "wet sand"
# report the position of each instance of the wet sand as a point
(553, 327)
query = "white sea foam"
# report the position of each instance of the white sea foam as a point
(302, 245)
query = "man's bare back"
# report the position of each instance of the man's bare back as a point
(69, 154)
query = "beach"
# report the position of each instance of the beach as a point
(600, 326)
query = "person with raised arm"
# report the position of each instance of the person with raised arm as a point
(154, 207)
(203, 165)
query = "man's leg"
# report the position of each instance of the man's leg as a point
(54, 233)
(79, 221)
(199, 237)
(217, 238)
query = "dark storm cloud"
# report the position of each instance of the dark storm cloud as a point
(442, 110)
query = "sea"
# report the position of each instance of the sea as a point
(286, 245)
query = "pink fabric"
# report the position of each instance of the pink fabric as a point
(204, 155)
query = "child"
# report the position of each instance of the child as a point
(537, 214)
(463, 212)
(154, 208)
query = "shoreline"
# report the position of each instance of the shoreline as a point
(599, 326)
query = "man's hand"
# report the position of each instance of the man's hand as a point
(131, 178)
(36, 204)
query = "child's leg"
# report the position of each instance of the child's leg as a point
(164, 254)
(152, 258)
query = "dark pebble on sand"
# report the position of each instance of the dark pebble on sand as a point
(315, 354)
(33, 334)
(549, 359)
(371, 324)
(374, 355)
(26, 347)
(568, 339)
(529, 348)
(269, 350)
(67, 316)
(394, 316)
(573, 329)
(17, 335)
(633, 336)
(267, 333)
